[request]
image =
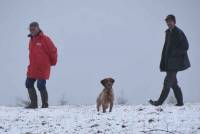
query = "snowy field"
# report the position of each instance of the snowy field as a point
(140, 119)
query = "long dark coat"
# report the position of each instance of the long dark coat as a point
(174, 54)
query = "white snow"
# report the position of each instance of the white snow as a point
(84, 119)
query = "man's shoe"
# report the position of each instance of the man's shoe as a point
(179, 104)
(45, 105)
(44, 97)
(33, 98)
(178, 94)
(31, 106)
(154, 103)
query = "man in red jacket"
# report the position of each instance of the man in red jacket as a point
(42, 55)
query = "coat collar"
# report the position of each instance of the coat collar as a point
(174, 29)
(38, 35)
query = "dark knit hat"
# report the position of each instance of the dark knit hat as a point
(171, 17)
(34, 24)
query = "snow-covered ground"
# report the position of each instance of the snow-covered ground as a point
(130, 119)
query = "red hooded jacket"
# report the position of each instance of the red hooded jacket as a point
(42, 55)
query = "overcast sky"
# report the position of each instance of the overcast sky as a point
(122, 39)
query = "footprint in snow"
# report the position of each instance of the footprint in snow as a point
(99, 131)
(95, 125)
(92, 120)
(140, 109)
(159, 109)
(151, 120)
(123, 126)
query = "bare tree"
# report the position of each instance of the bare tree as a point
(121, 100)
(63, 101)
(20, 102)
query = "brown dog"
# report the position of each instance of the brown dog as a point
(106, 97)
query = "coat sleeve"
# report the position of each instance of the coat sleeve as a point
(52, 51)
(184, 45)
(162, 61)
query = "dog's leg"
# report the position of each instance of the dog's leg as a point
(111, 106)
(98, 107)
(104, 108)
(98, 104)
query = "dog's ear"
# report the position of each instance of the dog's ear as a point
(103, 82)
(112, 80)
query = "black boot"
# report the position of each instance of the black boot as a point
(162, 97)
(33, 98)
(154, 103)
(178, 94)
(44, 97)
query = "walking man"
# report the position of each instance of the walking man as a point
(42, 55)
(174, 59)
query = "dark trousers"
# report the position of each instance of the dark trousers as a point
(171, 82)
(41, 84)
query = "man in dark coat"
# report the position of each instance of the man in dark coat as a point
(174, 59)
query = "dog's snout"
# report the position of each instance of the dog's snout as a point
(109, 84)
